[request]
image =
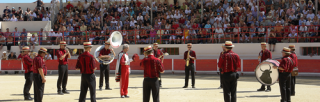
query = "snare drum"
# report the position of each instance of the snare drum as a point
(265, 74)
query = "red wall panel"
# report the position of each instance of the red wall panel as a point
(249, 65)
(10, 65)
(307, 65)
(167, 64)
(179, 64)
(206, 65)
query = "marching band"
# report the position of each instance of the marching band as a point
(152, 64)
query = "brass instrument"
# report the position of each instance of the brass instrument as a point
(115, 42)
(188, 59)
(165, 54)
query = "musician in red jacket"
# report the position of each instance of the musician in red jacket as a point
(295, 61)
(285, 68)
(105, 68)
(220, 64)
(152, 67)
(190, 56)
(28, 72)
(39, 73)
(63, 54)
(157, 53)
(230, 64)
(264, 54)
(87, 65)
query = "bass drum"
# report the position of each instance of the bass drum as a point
(265, 74)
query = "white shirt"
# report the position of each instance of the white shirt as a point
(86, 5)
(45, 19)
(140, 17)
(132, 23)
(120, 9)
(48, 57)
(229, 9)
(187, 11)
(218, 18)
(176, 16)
(310, 15)
(13, 19)
(33, 15)
(114, 22)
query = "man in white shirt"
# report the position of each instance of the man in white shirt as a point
(114, 21)
(13, 19)
(45, 18)
(176, 15)
(187, 11)
(218, 17)
(120, 9)
(310, 15)
(229, 9)
(218, 34)
(33, 14)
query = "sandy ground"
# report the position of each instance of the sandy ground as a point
(307, 89)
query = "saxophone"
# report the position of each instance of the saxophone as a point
(188, 59)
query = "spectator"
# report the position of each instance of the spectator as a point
(13, 19)
(7, 10)
(69, 6)
(4, 55)
(2, 41)
(16, 35)
(45, 18)
(23, 37)
(33, 41)
(48, 56)
(12, 56)
(39, 4)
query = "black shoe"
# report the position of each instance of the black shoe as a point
(160, 86)
(60, 93)
(122, 96)
(193, 87)
(220, 87)
(261, 90)
(126, 96)
(292, 94)
(100, 88)
(108, 88)
(65, 92)
(28, 98)
(185, 87)
(268, 90)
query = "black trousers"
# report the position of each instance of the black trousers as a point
(187, 70)
(264, 87)
(104, 72)
(38, 88)
(284, 83)
(27, 84)
(88, 81)
(221, 84)
(151, 84)
(63, 77)
(229, 81)
(293, 85)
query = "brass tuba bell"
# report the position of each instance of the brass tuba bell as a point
(115, 42)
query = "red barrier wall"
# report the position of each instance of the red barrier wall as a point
(249, 65)
(179, 64)
(206, 65)
(305, 65)
(10, 64)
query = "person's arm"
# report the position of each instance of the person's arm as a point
(64, 55)
(42, 75)
(160, 67)
(93, 64)
(194, 57)
(78, 64)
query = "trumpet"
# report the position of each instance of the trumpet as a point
(188, 59)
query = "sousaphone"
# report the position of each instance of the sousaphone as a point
(115, 42)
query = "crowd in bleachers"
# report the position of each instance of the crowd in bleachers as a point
(39, 13)
(175, 23)
(236, 20)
